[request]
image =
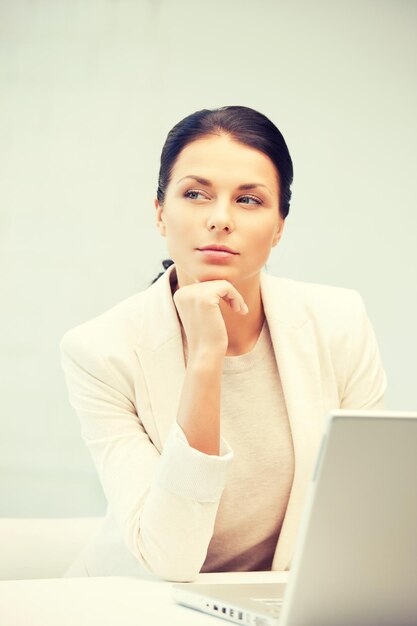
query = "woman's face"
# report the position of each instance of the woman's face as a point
(201, 213)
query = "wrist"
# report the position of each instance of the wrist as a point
(205, 359)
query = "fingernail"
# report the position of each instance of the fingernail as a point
(244, 308)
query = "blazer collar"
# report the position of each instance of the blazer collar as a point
(160, 321)
(281, 301)
(160, 353)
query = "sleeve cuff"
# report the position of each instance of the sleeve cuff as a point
(178, 432)
(187, 472)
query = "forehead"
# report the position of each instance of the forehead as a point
(222, 158)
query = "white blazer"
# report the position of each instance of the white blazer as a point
(124, 371)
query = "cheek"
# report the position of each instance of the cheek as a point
(179, 230)
(180, 234)
(263, 237)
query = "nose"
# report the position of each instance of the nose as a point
(220, 219)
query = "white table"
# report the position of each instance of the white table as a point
(108, 601)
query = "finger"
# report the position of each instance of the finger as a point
(235, 300)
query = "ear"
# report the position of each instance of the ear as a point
(279, 231)
(160, 218)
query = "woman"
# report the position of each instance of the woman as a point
(203, 398)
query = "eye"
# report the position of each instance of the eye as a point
(256, 200)
(191, 191)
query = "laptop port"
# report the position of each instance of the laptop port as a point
(231, 612)
(224, 610)
(240, 615)
(215, 607)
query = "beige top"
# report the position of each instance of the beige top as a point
(254, 422)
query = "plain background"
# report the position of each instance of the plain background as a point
(88, 92)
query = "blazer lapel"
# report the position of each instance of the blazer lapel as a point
(161, 356)
(296, 352)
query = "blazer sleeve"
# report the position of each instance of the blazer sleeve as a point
(365, 379)
(165, 504)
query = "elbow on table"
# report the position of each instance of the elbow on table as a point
(176, 572)
(173, 571)
(177, 576)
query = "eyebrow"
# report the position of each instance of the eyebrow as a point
(207, 183)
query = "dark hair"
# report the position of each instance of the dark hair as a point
(244, 125)
(166, 264)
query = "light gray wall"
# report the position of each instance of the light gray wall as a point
(89, 90)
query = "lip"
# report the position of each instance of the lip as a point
(214, 248)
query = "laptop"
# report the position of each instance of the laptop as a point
(355, 562)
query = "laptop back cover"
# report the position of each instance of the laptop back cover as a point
(356, 560)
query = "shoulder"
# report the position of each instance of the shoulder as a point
(297, 302)
(117, 325)
(148, 315)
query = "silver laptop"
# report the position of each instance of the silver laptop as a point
(355, 562)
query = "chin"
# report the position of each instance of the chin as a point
(202, 274)
(215, 273)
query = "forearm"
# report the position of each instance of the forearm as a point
(199, 408)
